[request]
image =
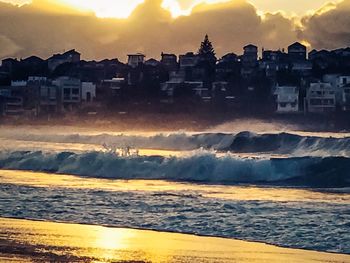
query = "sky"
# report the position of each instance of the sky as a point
(122, 8)
(113, 28)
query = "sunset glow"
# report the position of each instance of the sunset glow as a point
(106, 8)
(123, 9)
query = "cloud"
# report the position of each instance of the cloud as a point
(151, 29)
(329, 27)
(8, 47)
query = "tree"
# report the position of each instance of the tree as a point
(206, 50)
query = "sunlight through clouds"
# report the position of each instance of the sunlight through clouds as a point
(182, 7)
(17, 2)
(231, 25)
(106, 8)
(123, 8)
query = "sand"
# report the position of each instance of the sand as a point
(36, 241)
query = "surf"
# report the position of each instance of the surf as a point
(203, 167)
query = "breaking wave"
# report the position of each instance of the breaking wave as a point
(244, 142)
(200, 167)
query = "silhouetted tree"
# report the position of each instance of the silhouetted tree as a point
(206, 50)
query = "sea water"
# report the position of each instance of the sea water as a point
(289, 189)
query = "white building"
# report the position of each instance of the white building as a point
(287, 99)
(18, 83)
(340, 83)
(36, 79)
(88, 91)
(320, 98)
(134, 60)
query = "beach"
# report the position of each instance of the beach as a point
(39, 241)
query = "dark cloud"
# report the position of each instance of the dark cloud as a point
(151, 29)
(329, 27)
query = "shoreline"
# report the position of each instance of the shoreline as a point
(224, 238)
(28, 238)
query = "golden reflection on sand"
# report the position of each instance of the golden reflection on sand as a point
(26, 241)
(244, 193)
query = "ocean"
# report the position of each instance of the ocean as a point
(290, 188)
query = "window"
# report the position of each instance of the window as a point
(283, 105)
(315, 102)
(328, 102)
(75, 91)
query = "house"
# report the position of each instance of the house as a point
(169, 61)
(152, 62)
(315, 54)
(297, 52)
(49, 100)
(88, 92)
(176, 79)
(343, 52)
(27, 91)
(302, 68)
(220, 92)
(273, 61)
(11, 103)
(322, 59)
(18, 83)
(250, 56)
(32, 61)
(346, 98)
(298, 61)
(187, 63)
(188, 60)
(135, 76)
(229, 58)
(287, 99)
(70, 92)
(71, 56)
(199, 90)
(111, 88)
(134, 60)
(320, 98)
(339, 83)
(9, 64)
(227, 67)
(249, 60)
(343, 80)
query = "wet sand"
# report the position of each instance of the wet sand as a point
(36, 241)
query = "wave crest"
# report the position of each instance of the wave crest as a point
(200, 167)
(244, 142)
